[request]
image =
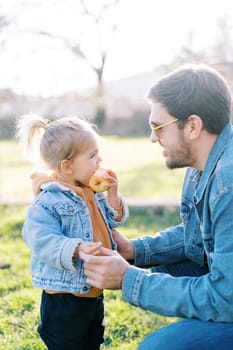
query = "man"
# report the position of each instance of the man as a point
(192, 277)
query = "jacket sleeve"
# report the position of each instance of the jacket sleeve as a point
(42, 233)
(165, 247)
(208, 297)
(111, 214)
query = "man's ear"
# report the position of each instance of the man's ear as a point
(193, 127)
(66, 166)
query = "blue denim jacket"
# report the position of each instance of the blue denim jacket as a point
(206, 227)
(57, 221)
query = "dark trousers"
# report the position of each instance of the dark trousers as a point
(71, 323)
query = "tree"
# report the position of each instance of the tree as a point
(188, 53)
(218, 53)
(96, 29)
(222, 49)
(103, 51)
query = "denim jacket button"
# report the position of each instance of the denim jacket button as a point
(85, 288)
(71, 209)
(200, 245)
(87, 234)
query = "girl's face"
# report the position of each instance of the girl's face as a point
(83, 165)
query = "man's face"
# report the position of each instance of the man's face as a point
(176, 149)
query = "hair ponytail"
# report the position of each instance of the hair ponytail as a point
(30, 130)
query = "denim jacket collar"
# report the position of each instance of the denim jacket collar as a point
(218, 148)
(57, 187)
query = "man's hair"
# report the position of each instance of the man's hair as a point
(195, 89)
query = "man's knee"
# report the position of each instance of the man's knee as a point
(191, 334)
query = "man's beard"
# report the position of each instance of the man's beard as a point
(180, 158)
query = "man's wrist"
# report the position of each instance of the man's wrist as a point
(127, 266)
(130, 251)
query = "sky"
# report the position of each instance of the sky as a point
(149, 33)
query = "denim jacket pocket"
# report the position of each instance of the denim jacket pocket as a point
(67, 209)
(72, 216)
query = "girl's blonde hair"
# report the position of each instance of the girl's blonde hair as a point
(55, 141)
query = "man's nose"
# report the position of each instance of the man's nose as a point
(153, 137)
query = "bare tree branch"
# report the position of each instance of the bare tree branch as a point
(103, 8)
(98, 29)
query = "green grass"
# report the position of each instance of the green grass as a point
(126, 325)
(138, 163)
(142, 174)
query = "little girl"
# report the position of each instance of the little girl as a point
(65, 218)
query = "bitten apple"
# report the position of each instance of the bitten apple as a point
(97, 182)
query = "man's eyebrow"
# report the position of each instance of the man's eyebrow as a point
(154, 123)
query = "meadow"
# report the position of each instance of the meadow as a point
(138, 163)
(141, 174)
(126, 325)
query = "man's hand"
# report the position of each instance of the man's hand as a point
(105, 271)
(39, 178)
(124, 245)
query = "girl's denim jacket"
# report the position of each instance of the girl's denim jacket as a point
(205, 234)
(57, 221)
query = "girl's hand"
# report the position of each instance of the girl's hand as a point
(92, 248)
(113, 182)
(113, 196)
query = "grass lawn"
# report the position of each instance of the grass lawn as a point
(142, 174)
(126, 325)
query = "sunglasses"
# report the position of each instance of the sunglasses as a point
(161, 126)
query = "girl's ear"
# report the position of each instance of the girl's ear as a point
(66, 166)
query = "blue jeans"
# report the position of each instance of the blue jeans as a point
(189, 334)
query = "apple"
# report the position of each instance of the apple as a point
(97, 182)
